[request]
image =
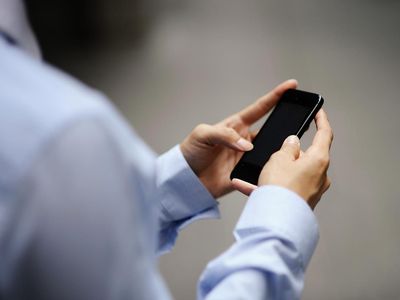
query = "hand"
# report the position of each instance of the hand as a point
(212, 151)
(305, 173)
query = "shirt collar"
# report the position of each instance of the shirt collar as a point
(15, 27)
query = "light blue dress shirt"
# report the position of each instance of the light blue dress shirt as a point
(86, 206)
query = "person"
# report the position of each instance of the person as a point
(86, 206)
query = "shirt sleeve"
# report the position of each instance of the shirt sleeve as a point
(276, 236)
(183, 197)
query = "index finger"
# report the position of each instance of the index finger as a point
(324, 136)
(243, 186)
(258, 109)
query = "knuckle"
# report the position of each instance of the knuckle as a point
(328, 132)
(322, 160)
(201, 128)
(231, 132)
(276, 155)
(328, 183)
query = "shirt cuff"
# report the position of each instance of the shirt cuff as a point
(182, 193)
(279, 210)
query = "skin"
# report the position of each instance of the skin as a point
(212, 151)
(305, 173)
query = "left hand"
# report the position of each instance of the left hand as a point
(212, 151)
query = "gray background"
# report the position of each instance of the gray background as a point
(199, 61)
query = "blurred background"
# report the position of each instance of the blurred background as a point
(169, 65)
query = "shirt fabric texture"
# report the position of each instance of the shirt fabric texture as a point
(86, 207)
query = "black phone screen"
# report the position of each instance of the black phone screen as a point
(285, 120)
(292, 115)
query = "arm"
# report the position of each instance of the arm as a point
(269, 252)
(275, 238)
(277, 232)
(183, 198)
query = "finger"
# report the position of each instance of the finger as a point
(258, 109)
(243, 186)
(291, 146)
(324, 136)
(221, 135)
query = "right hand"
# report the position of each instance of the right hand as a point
(305, 173)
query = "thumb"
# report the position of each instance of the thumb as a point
(291, 146)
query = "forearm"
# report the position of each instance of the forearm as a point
(276, 236)
(182, 197)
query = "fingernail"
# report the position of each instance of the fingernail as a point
(244, 144)
(292, 139)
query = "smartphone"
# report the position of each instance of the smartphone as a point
(291, 116)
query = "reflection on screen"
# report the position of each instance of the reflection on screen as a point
(285, 120)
